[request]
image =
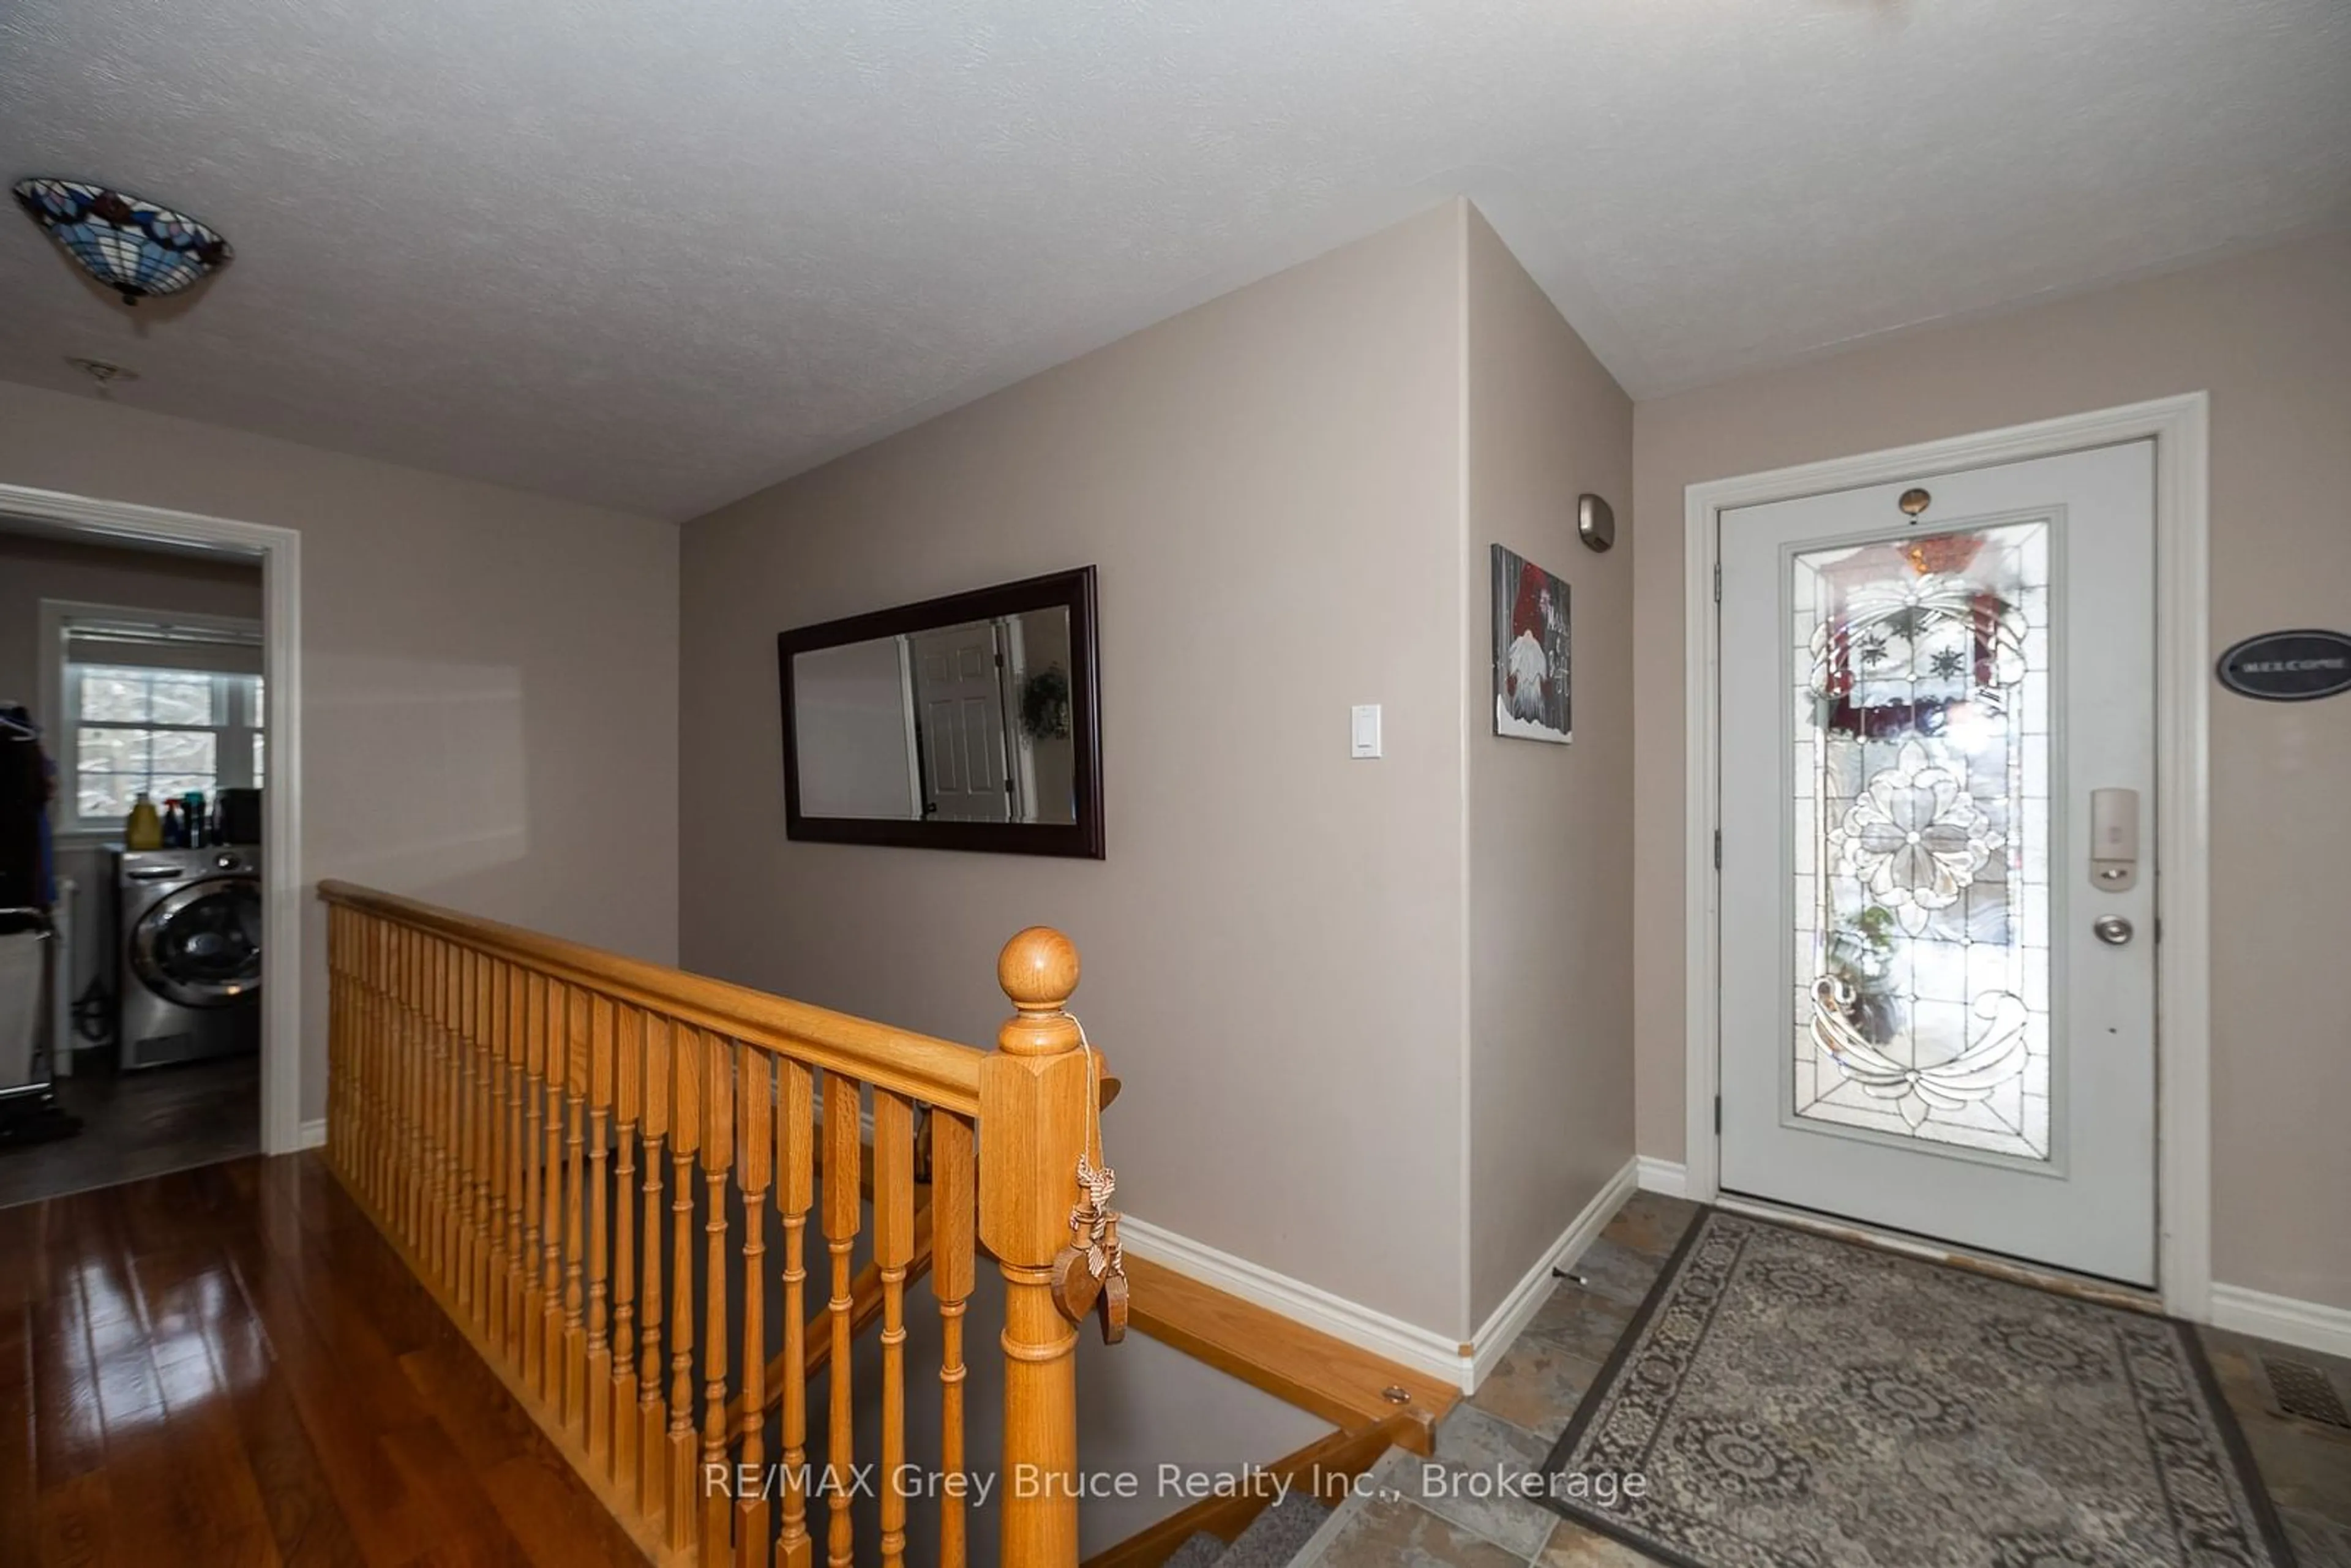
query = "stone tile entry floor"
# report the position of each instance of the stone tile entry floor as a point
(1523, 1406)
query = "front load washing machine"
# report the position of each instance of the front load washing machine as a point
(190, 954)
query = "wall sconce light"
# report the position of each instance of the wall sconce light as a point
(1595, 522)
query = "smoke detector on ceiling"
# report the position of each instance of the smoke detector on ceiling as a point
(104, 372)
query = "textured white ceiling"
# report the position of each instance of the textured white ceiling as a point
(657, 252)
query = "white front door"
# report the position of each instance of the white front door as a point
(1938, 982)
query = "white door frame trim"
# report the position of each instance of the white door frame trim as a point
(2180, 428)
(280, 550)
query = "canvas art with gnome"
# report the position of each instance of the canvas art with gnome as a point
(1531, 647)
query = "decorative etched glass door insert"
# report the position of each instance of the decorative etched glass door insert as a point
(1922, 736)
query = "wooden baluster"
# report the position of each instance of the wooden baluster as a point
(417, 1048)
(444, 1114)
(952, 1217)
(754, 1164)
(1033, 1089)
(628, 1071)
(469, 1129)
(392, 1071)
(653, 1415)
(377, 1073)
(686, 1138)
(494, 1104)
(359, 1104)
(515, 988)
(356, 1160)
(363, 1105)
(381, 1136)
(338, 1037)
(422, 1085)
(718, 1158)
(403, 1150)
(794, 1191)
(372, 1096)
(399, 1060)
(894, 1249)
(337, 1040)
(451, 1235)
(844, 1153)
(551, 1183)
(600, 1352)
(534, 1179)
(575, 1301)
(478, 1010)
(465, 1119)
(352, 1160)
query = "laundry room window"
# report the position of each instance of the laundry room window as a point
(163, 704)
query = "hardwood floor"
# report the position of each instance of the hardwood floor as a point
(138, 1125)
(227, 1365)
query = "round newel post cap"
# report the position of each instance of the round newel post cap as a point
(1038, 969)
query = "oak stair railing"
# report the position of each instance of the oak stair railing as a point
(502, 1103)
(868, 1292)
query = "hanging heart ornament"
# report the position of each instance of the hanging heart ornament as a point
(1090, 1271)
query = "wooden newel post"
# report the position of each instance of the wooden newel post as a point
(1032, 1123)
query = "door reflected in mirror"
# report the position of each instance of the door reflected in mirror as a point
(966, 722)
(961, 724)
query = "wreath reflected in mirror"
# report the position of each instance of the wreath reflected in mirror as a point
(1045, 704)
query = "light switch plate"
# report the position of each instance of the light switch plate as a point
(1365, 734)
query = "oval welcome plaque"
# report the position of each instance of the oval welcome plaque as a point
(2289, 666)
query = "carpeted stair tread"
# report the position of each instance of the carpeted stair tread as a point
(1200, 1551)
(1274, 1537)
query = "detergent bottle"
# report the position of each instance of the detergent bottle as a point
(143, 829)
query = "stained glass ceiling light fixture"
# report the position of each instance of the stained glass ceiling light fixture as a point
(137, 249)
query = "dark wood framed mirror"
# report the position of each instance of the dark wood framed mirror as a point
(971, 722)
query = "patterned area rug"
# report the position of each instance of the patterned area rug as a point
(1784, 1400)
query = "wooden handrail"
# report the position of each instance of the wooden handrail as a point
(1325, 1470)
(575, 1152)
(1343, 1384)
(937, 1071)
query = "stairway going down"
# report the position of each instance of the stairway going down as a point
(1272, 1540)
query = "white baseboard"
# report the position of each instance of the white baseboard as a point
(314, 1134)
(1494, 1336)
(1437, 1355)
(1667, 1178)
(2311, 1325)
(1423, 1350)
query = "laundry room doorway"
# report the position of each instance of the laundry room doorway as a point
(150, 917)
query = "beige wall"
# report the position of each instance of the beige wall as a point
(34, 568)
(1374, 1016)
(1270, 484)
(489, 678)
(2269, 336)
(1550, 866)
